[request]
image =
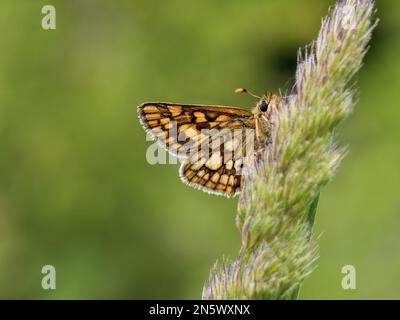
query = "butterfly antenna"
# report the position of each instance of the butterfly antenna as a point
(243, 90)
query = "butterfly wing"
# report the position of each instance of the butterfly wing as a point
(223, 180)
(175, 126)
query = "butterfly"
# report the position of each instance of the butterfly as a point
(237, 137)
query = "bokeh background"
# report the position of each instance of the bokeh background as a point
(76, 191)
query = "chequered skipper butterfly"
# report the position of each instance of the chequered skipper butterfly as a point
(185, 130)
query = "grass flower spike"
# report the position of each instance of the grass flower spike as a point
(278, 203)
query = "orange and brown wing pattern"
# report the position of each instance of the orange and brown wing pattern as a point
(218, 172)
(219, 177)
(159, 120)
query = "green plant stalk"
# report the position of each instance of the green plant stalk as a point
(310, 217)
(312, 213)
(277, 206)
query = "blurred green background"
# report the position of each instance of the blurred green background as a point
(76, 191)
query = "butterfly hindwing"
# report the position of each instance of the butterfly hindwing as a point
(218, 177)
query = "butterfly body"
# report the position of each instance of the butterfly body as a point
(215, 142)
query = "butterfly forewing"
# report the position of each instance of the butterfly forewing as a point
(186, 131)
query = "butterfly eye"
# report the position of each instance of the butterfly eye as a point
(263, 106)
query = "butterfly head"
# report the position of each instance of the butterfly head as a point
(266, 105)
